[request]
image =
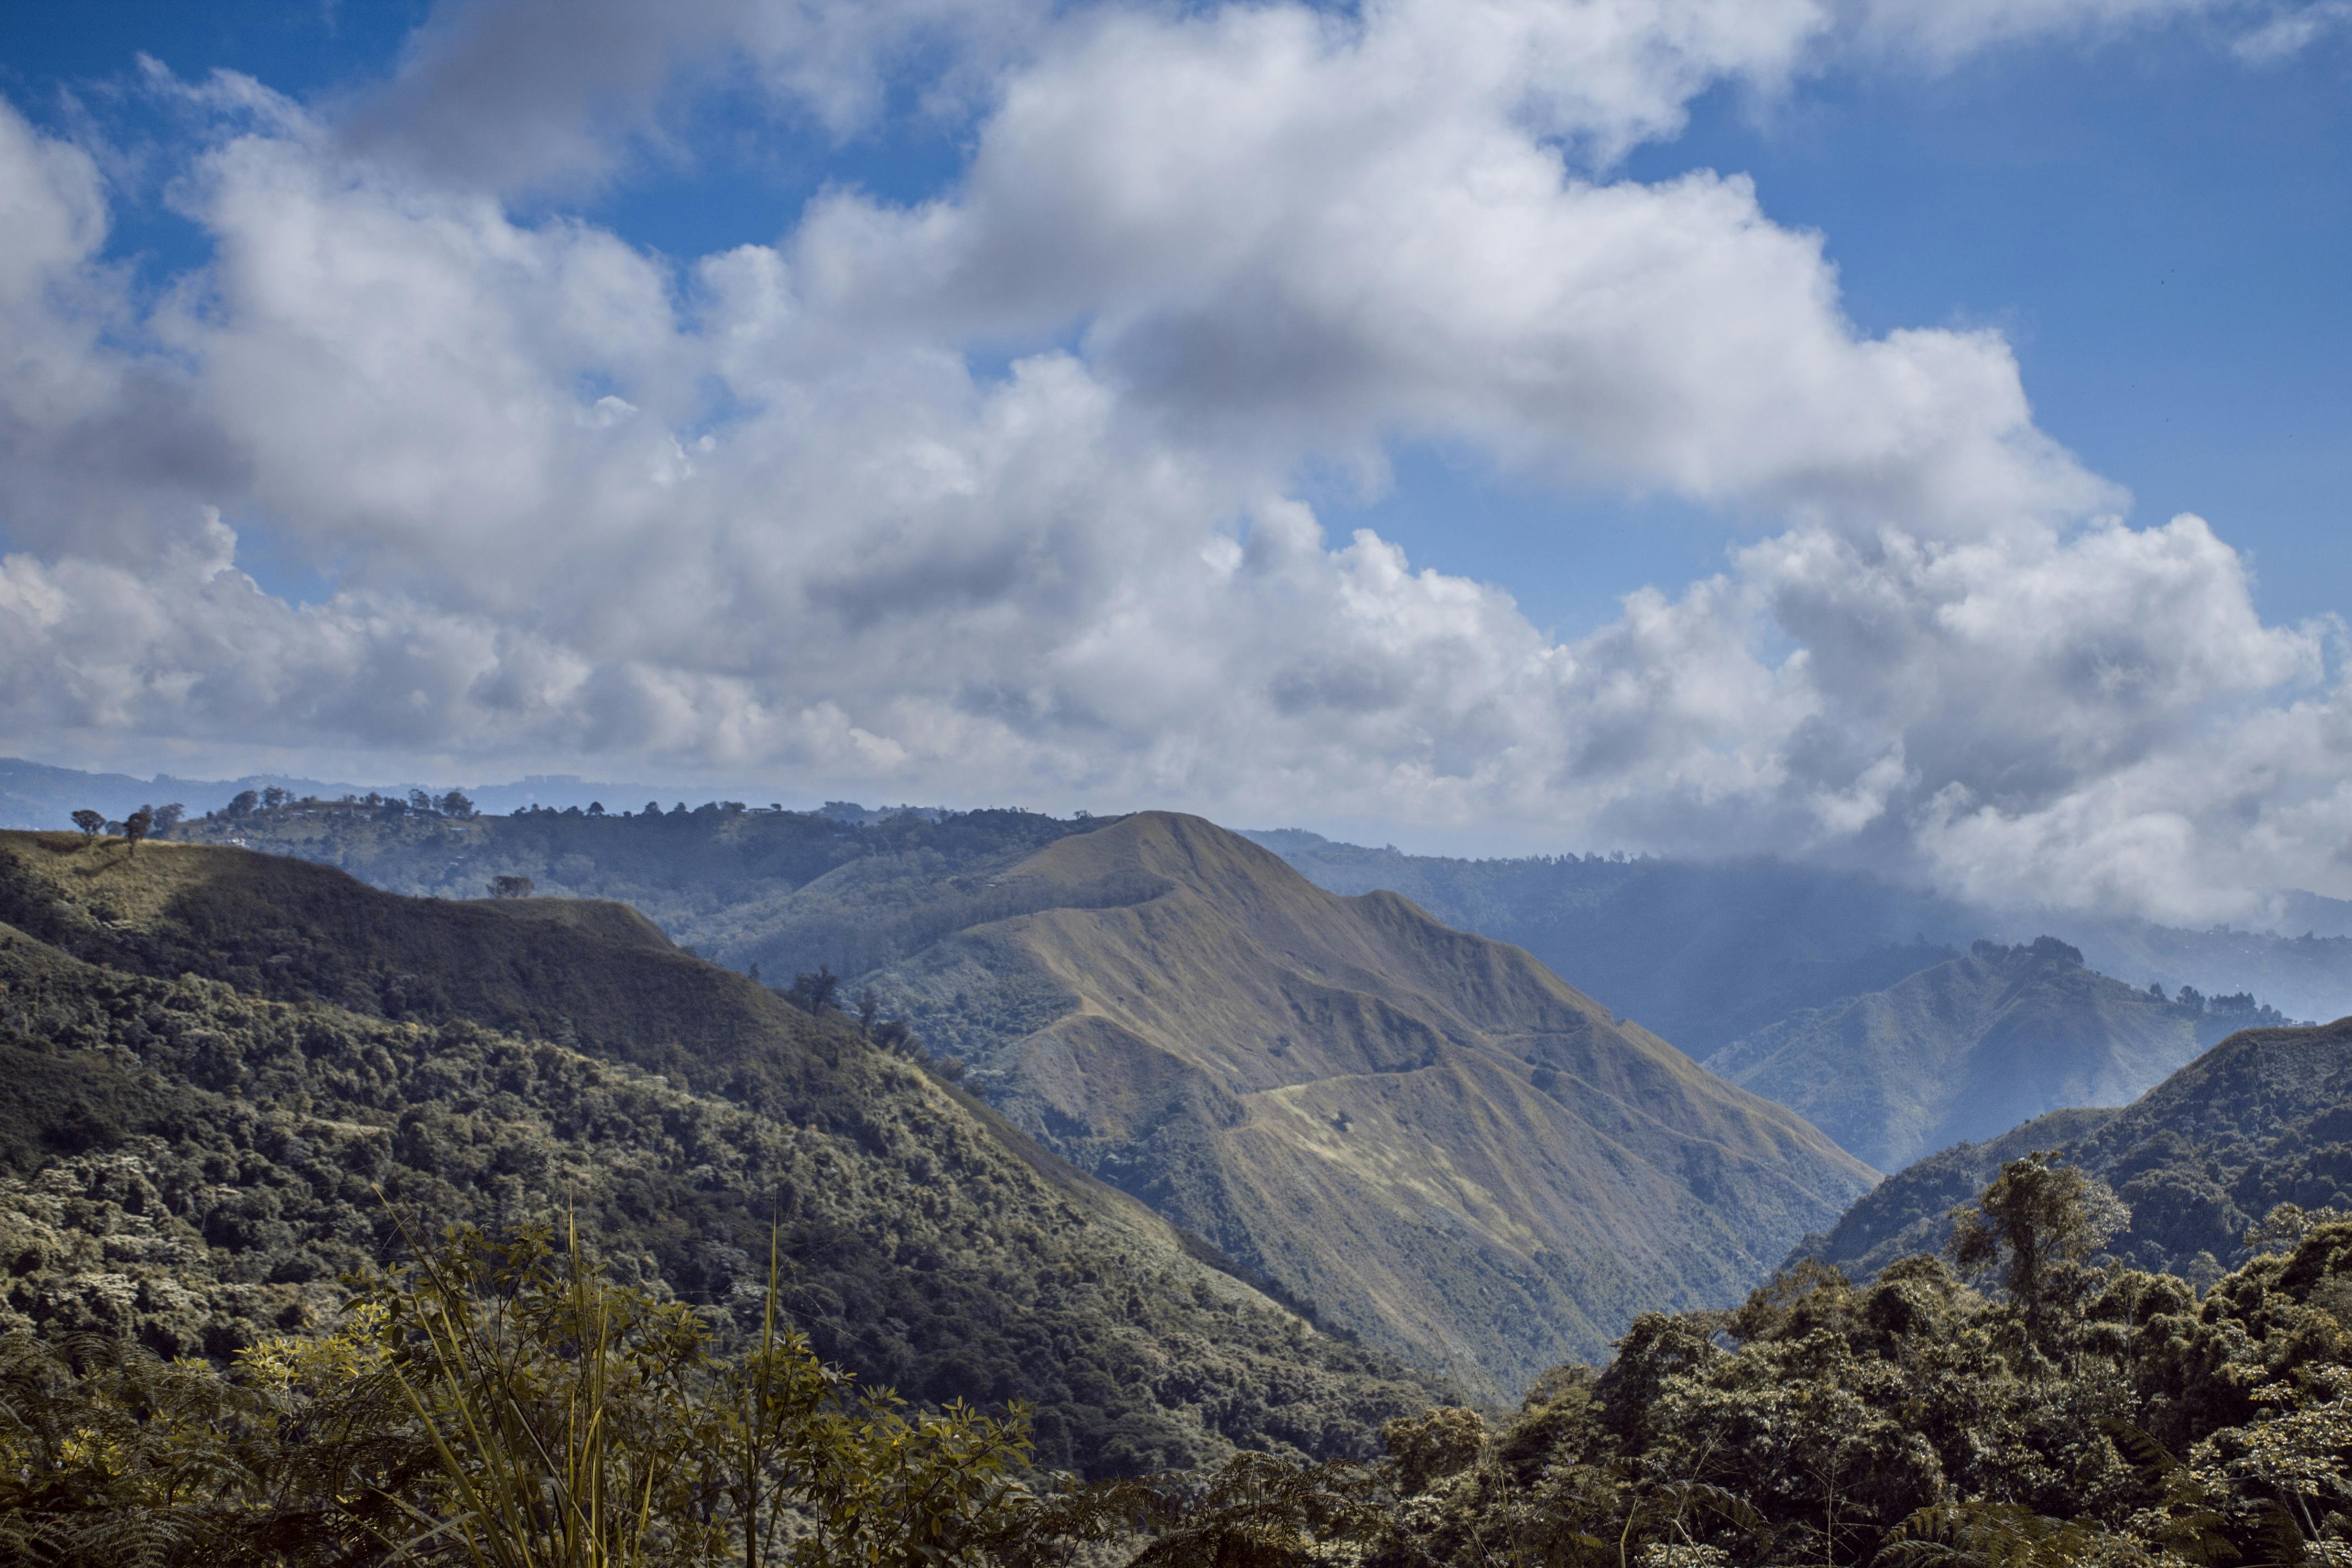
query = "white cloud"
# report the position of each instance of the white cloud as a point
(759, 514)
(2293, 29)
(1940, 34)
(508, 94)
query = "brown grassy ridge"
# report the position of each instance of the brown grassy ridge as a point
(1431, 1135)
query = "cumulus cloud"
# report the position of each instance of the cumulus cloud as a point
(1294, 232)
(758, 513)
(509, 94)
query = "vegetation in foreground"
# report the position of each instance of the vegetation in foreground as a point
(501, 1404)
(217, 1061)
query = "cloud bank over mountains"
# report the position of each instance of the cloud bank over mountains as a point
(996, 495)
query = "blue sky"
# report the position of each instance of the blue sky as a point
(2162, 230)
(981, 401)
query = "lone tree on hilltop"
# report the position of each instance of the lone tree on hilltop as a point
(455, 804)
(135, 826)
(91, 823)
(512, 887)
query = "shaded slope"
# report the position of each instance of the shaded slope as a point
(217, 1057)
(1967, 1050)
(1427, 1133)
(2264, 1118)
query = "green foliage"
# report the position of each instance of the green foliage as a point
(192, 1162)
(1916, 1421)
(2035, 1227)
(2201, 1161)
(499, 1403)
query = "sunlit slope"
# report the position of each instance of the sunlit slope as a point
(1431, 1135)
(219, 1058)
(1968, 1049)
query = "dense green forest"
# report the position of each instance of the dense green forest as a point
(2260, 1120)
(2023, 1403)
(231, 1075)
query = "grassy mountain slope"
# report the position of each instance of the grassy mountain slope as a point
(1427, 1133)
(217, 1058)
(1966, 1049)
(2264, 1118)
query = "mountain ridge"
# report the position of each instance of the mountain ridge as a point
(2264, 1118)
(1488, 1141)
(219, 1055)
(1968, 1048)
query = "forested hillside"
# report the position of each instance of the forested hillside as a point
(218, 1058)
(1972, 1046)
(2028, 1404)
(2263, 1119)
(217, 1061)
(1422, 1132)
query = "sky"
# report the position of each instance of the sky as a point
(1912, 436)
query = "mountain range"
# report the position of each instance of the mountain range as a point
(1432, 1136)
(1422, 1136)
(2263, 1118)
(1707, 953)
(1179, 1012)
(235, 1077)
(1967, 1048)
